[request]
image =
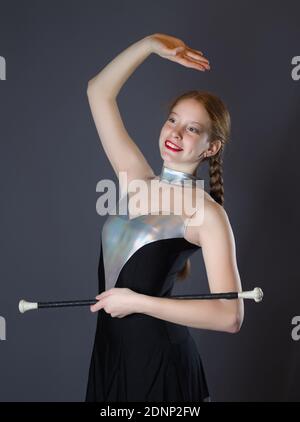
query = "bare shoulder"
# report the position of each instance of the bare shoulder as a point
(216, 227)
(209, 221)
(213, 211)
(206, 205)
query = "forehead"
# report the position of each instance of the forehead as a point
(191, 110)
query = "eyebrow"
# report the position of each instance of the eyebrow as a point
(191, 122)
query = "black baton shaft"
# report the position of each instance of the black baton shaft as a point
(229, 295)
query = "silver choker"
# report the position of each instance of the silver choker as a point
(176, 177)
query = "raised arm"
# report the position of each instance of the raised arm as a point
(122, 152)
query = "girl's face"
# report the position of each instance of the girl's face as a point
(184, 136)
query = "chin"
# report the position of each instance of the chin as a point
(167, 158)
(166, 153)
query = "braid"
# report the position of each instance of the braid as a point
(216, 179)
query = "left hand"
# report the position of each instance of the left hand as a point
(118, 302)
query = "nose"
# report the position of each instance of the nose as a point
(176, 133)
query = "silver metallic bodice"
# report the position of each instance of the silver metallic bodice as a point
(123, 236)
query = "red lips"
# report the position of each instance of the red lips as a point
(175, 148)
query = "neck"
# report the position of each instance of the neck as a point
(176, 176)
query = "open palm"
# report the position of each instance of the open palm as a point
(176, 50)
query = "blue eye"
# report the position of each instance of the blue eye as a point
(196, 130)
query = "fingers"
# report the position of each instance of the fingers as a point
(192, 53)
(193, 58)
(104, 294)
(195, 64)
(198, 51)
(96, 307)
(99, 305)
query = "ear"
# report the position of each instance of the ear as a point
(215, 147)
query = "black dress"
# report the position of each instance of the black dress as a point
(139, 357)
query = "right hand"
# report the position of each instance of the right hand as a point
(176, 50)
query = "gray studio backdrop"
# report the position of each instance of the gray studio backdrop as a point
(52, 159)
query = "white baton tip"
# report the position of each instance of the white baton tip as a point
(26, 306)
(258, 294)
(255, 294)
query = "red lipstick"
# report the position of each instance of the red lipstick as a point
(173, 147)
